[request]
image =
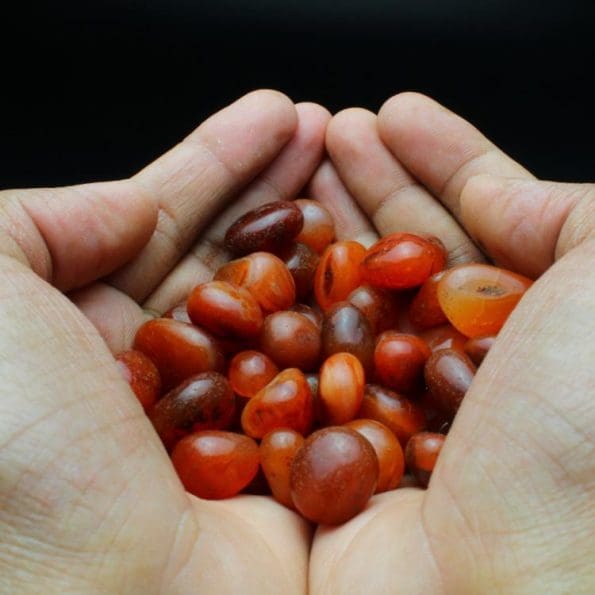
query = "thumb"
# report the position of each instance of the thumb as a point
(71, 236)
(526, 225)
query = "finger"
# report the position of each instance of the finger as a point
(71, 236)
(197, 177)
(523, 442)
(287, 175)
(390, 196)
(282, 180)
(115, 315)
(526, 224)
(350, 223)
(440, 149)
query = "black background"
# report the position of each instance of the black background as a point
(94, 91)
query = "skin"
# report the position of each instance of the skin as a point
(88, 499)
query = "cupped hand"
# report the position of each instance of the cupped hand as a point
(89, 502)
(510, 507)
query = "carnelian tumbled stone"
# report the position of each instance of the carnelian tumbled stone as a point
(444, 336)
(378, 305)
(401, 261)
(345, 329)
(400, 359)
(314, 384)
(422, 453)
(277, 451)
(319, 228)
(333, 475)
(424, 310)
(224, 309)
(179, 350)
(437, 419)
(338, 272)
(249, 371)
(203, 402)
(341, 389)
(291, 340)
(214, 464)
(478, 298)
(286, 402)
(265, 276)
(301, 261)
(448, 375)
(313, 314)
(391, 461)
(404, 323)
(266, 228)
(478, 347)
(142, 376)
(400, 415)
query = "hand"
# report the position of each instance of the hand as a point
(89, 501)
(108, 516)
(510, 505)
